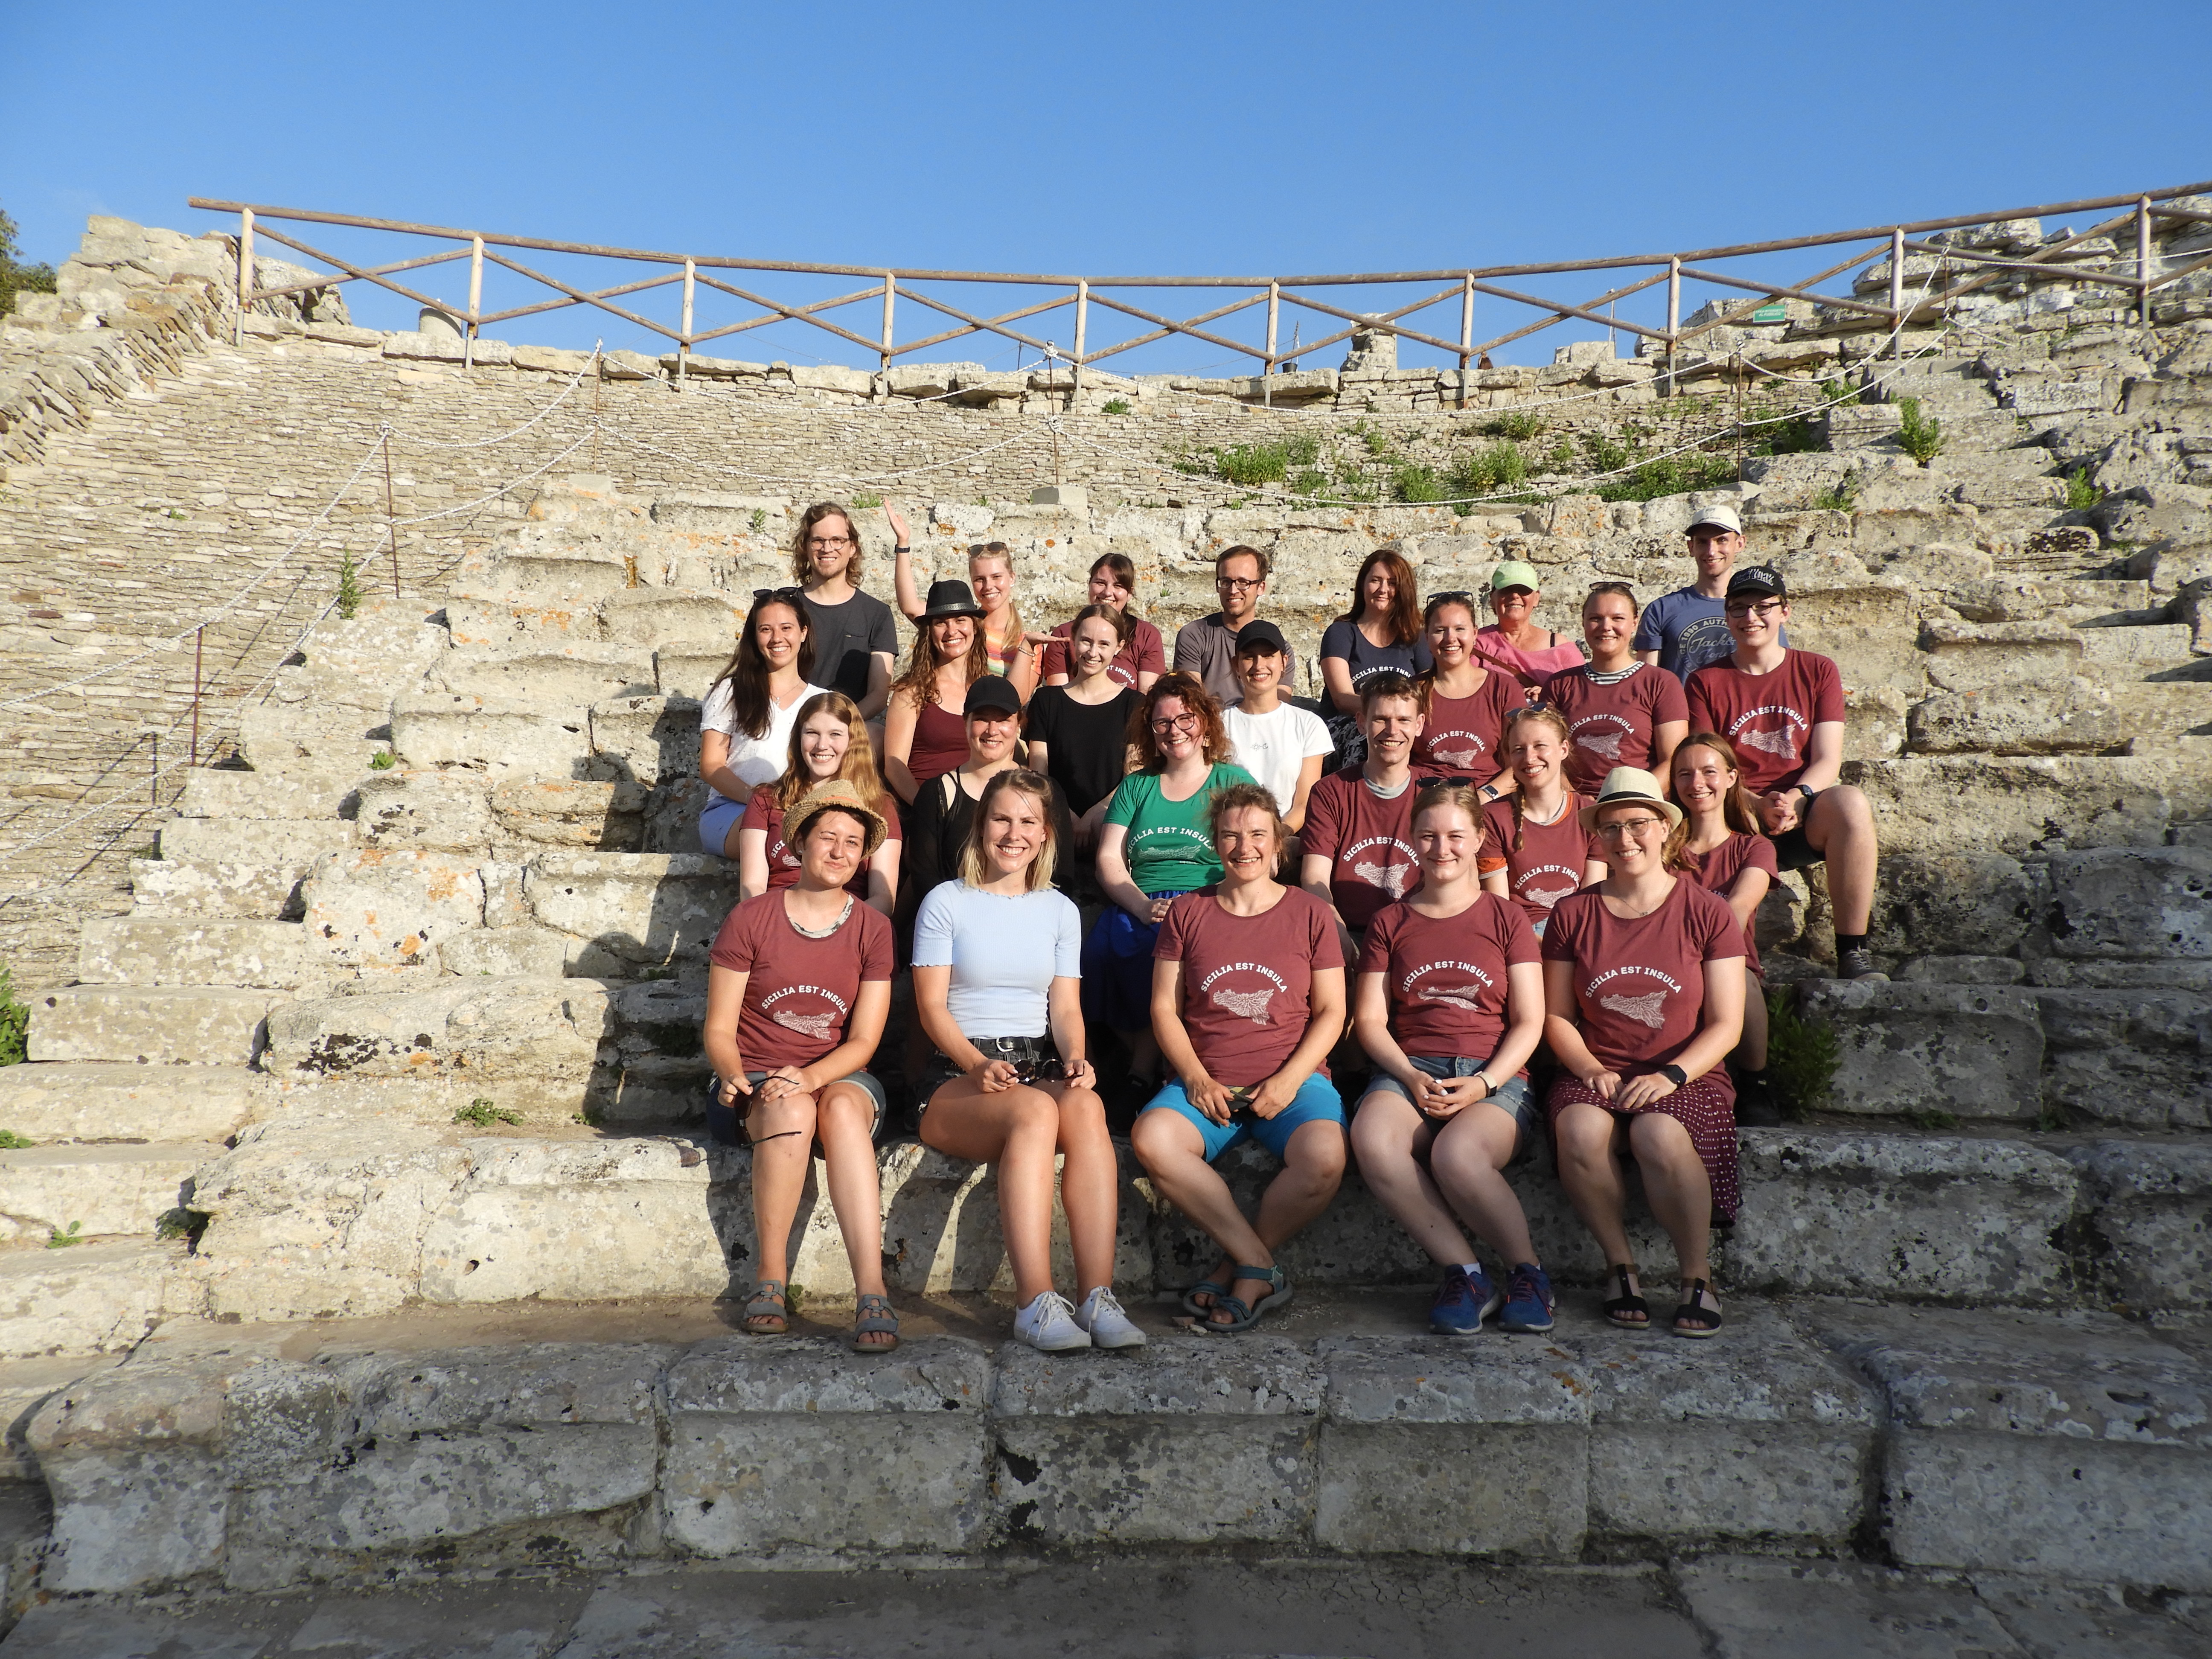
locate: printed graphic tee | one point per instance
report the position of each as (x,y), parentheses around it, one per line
(1459,737)
(1612,718)
(1688,629)
(1446,976)
(1640,984)
(1247,980)
(1769,718)
(1717,871)
(1368,841)
(800,991)
(1171,844)
(1549,863)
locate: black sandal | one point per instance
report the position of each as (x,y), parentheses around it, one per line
(1693,1318)
(1628,1310)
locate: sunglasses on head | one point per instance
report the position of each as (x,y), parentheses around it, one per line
(790,595)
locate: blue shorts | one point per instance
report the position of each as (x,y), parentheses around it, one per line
(1117,970)
(1315,1102)
(715,824)
(1515,1099)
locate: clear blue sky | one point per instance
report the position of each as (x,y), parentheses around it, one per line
(1131,138)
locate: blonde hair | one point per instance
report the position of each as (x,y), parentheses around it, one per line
(1023,782)
(1247,798)
(1004,554)
(1550,717)
(858,768)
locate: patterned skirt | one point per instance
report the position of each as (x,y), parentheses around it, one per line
(1706,1106)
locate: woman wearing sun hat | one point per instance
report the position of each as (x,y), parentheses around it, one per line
(1644,984)
(1514,642)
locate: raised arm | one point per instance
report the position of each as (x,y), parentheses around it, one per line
(904,590)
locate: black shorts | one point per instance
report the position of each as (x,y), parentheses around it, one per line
(939,1070)
(1793,851)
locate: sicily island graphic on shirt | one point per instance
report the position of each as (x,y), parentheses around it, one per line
(814,1022)
(1250,1003)
(1647,1009)
(1468,997)
(1550,894)
(1392,878)
(1780,742)
(1456,748)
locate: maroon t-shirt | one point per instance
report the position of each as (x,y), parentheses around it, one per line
(940,743)
(1142,652)
(1460,736)
(1612,725)
(762,813)
(1447,978)
(1368,841)
(1717,871)
(800,991)
(1549,863)
(1640,985)
(1246,980)
(1769,718)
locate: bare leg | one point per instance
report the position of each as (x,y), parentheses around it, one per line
(1679,1191)
(1751,1047)
(1169,1147)
(1587,1137)
(1089,1185)
(782,1133)
(1468,1162)
(1014,1129)
(1387,1132)
(1841,829)
(1312,1171)
(856,1193)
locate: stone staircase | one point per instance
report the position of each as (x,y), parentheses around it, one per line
(404,1018)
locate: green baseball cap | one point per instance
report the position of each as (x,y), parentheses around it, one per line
(1514,573)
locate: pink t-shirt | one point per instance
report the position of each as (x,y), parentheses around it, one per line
(1548,864)
(765,814)
(1446,977)
(1368,841)
(800,991)
(1460,735)
(1537,665)
(1717,871)
(1769,718)
(1640,984)
(1246,980)
(1613,725)
(1143,653)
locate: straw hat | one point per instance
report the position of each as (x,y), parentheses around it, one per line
(834,794)
(1625,785)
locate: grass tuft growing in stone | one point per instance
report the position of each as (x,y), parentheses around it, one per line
(60,1239)
(1921,436)
(2081,493)
(481,1113)
(187,1224)
(1800,1057)
(382,761)
(12,1142)
(867,498)
(15,1022)
(1839,495)
(348,587)
(1115,406)
(1518,425)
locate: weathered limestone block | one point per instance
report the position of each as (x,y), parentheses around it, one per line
(647,740)
(660,618)
(2144,1229)
(2075,716)
(390,909)
(192,951)
(1967,657)
(505,953)
(427,811)
(190,887)
(2132,902)
(577,674)
(1873,723)
(720,512)
(214,792)
(1956,804)
(86,1102)
(943,1230)
(1956,904)
(631,910)
(101,1298)
(1973,1050)
(1909,1215)
(98,1190)
(1774,1444)
(1190,1440)
(324,738)
(281,843)
(507,735)
(2139,1058)
(765,1452)
(599,816)
(151,1026)
(688,671)
(1431,1447)
(556,575)
(517,1032)
(1991,1414)
(477,623)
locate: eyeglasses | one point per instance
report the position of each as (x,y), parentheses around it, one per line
(787,595)
(1763,608)
(1175,723)
(1621,827)
(828,542)
(1240,583)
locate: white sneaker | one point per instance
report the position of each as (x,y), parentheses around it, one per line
(1049,1323)
(1109,1328)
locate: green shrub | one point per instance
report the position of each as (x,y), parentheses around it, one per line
(14,1023)
(758,522)
(1839,495)
(1920,435)
(1798,435)
(2081,493)
(1560,456)
(867,498)
(1670,475)
(15,277)
(1836,392)
(481,1113)
(187,1224)
(383,761)
(12,1142)
(1516,425)
(1415,481)
(1115,406)
(57,1239)
(1800,1056)
(1604,453)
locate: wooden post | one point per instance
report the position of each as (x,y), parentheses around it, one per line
(1674,321)
(476,300)
(1082,324)
(1465,333)
(391,518)
(684,344)
(2143,261)
(199,646)
(1274,312)
(244,273)
(1897,293)
(153,783)
(890,299)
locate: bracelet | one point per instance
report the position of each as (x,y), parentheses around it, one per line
(902,546)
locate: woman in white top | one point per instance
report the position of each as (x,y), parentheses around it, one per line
(745,726)
(996,986)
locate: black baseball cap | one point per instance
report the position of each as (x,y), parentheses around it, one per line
(1258,635)
(1758,581)
(991,694)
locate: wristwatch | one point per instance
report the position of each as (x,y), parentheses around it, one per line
(1675,1075)
(1488,1087)
(1809,794)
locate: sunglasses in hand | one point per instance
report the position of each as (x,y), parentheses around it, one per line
(1052,1069)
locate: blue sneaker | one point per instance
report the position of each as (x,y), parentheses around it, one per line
(1463,1301)
(1528,1301)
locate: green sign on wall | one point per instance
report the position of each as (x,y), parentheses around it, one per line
(1776,313)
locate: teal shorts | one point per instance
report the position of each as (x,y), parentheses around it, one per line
(1315,1102)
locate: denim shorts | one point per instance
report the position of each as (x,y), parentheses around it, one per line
(726,1128)
(1515,1098)
(1315,1102)
(715,824)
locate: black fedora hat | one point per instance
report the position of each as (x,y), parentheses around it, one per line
(950,598)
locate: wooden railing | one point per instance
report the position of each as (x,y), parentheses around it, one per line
(1963,271)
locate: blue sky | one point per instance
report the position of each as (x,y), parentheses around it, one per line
(1142,138)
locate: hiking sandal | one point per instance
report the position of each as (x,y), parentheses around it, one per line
(1241,1317)
(1199,1309)
(875,1318)
(1693,1318)
(1628,1310)
(767,1314)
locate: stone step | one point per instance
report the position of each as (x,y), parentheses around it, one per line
(288,843)
(150,1026)
(515,736)
(193,951)
(90,1298)
(94,1191)
(572,574)
(702,620)
(320,738)
(90,1101)
(2072,1447)
(575,674)
(211,792)
(480,620)
(1958,804)
(179,887)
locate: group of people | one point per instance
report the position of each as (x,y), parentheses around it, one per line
(1501,883)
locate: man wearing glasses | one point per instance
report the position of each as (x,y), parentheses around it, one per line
(1207,647)
(1684,630)
(854,637)
(1783,712)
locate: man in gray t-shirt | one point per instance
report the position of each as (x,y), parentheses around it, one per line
(1207,647)
(1687,630)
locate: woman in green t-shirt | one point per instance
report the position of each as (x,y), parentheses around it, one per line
(1157,841)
